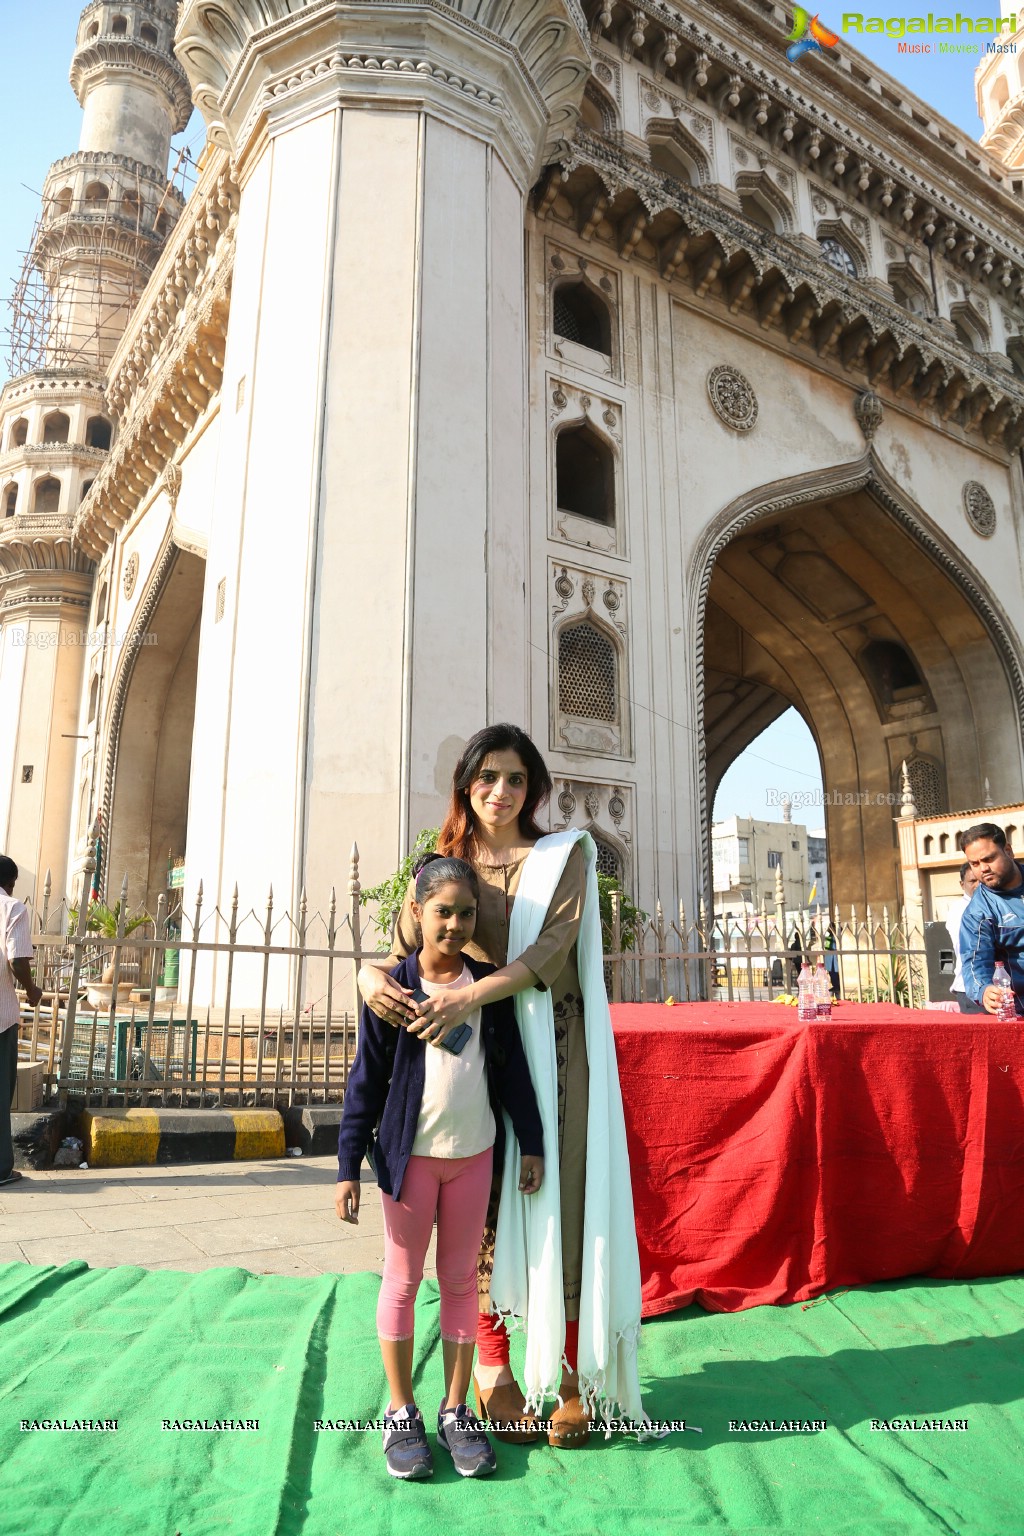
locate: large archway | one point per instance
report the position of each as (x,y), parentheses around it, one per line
(150,751)
(838,598)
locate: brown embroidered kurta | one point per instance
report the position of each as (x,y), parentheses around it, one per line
(552,959)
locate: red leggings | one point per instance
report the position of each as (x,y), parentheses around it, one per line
(492,1342)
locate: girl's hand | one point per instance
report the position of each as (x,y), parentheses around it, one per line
(384,997)
(531,1174)
(346,1200)
(442,1013)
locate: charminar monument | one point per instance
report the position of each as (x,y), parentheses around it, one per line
(587,365)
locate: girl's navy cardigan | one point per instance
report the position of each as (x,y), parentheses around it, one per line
(388,1076)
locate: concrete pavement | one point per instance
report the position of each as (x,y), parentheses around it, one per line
(273,1217)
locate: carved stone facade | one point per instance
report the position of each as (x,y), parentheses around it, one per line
(693,460)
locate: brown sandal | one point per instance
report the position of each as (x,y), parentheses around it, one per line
(570,1426)
(505,1404)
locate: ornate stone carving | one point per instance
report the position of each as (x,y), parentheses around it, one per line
(565,587)
(131,573)
(566,800)
(172,484)
(523,67)
(979,508)
(732,398)
(869,411)
(925,363)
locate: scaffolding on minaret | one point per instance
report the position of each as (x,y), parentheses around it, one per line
(59,281)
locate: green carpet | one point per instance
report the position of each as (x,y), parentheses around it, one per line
(141,1347)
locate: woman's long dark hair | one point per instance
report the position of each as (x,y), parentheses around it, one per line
(458,833)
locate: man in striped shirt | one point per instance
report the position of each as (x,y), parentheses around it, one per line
(993,925)
(15,966)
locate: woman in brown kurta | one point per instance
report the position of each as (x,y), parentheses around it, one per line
(499,783)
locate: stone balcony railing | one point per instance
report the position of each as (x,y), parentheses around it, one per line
(45,454)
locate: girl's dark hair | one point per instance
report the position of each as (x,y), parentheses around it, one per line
(435,870)
(458,833)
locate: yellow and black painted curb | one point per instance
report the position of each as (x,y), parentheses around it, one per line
(124,1138)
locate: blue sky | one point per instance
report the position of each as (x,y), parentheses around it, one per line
(40,121)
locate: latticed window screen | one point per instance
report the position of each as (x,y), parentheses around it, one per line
(926,786)
(586,673)
(566,321)
(607,859)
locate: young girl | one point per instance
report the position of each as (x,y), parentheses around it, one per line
(437,1118)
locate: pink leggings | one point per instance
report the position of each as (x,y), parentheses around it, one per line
(457,1188)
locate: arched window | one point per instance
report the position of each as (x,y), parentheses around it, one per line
(86,488)
(928,846)
(587,673)
(47,495)
(131,206)
(119,26)
(757,211)
(56,427)
(580,316)
(608,861)
(999,95)
(585,474)
(1011,832)
(94,694)
(161,223)
(19,433)
(94,30)
(908,293)
(101,604)
(148,33)
(96,194)
(944,842)
(836,254)
(62,203)
(970,328)
(97,432)
(676,154)
(890,671)
(10,500)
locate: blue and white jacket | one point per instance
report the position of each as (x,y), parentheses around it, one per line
(993,921)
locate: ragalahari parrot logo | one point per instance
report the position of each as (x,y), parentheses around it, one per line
(808,35)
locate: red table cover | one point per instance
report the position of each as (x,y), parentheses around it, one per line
(773,1160)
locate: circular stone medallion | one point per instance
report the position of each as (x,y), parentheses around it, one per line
(131,572)
(733,398)
(980,509)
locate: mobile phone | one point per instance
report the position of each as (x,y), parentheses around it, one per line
(458,1037)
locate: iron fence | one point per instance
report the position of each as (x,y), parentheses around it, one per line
(204,1007)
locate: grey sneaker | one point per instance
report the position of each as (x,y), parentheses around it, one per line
(405,1444)
(463,1438)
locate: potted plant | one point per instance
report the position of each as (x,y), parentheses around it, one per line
(104,920)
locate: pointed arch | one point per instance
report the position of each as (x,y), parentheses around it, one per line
(867,475)
(677,152)
(758,189)
(834,238)
(971,329)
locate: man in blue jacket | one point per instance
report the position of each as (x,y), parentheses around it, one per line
(993,925)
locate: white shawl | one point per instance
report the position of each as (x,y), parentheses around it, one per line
(526,1285)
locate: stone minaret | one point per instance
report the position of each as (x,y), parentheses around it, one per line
(106,212)
(999,87)
(108,208)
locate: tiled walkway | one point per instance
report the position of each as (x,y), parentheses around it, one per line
(274,1217)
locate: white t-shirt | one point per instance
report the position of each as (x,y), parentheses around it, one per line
(953,919)
(455,1113)
(15,944)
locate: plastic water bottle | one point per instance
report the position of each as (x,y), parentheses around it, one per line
(1007,1012)
(822,992)
(807,1001)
